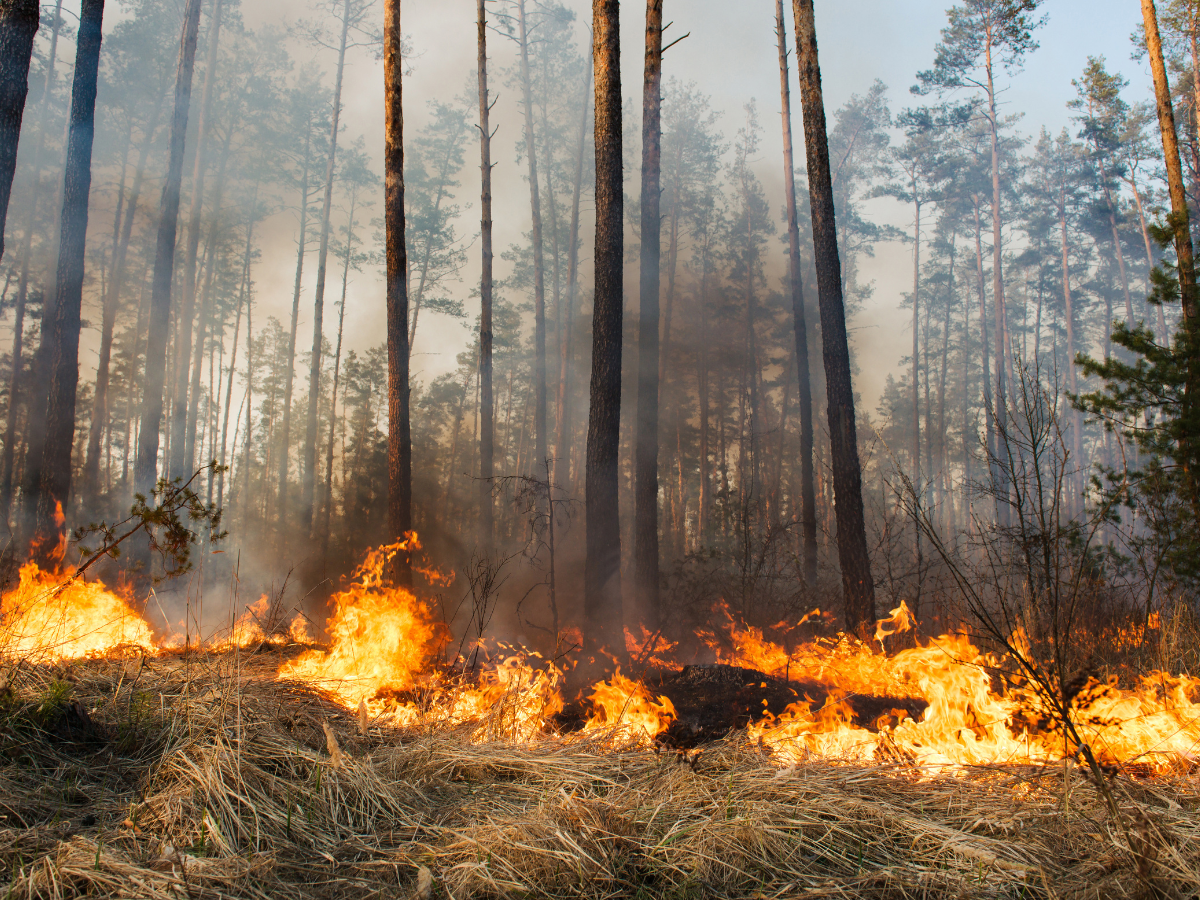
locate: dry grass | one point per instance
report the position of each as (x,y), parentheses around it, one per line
(175,777)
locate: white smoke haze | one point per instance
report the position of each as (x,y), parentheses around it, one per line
(730,55)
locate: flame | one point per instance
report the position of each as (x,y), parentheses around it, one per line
(381,637)
(939,704)
(900,620)
(52,617)
(251,628)
(624,712)
(652,649)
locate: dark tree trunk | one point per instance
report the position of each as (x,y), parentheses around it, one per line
(61,341)
(539,266)
(180,464)
(399,435)
(308,471)
(808,494)
(857,584)
(645,512)
(602,577)
(34,428)
(146,468)
(487,411)
(18,24)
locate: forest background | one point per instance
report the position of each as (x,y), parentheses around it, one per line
(264,163)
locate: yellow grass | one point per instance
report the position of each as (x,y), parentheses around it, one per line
(208,778)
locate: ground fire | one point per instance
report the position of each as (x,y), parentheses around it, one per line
(384,660)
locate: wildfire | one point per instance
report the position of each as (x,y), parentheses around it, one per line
(53,618)
(624,712)
(261,623)
(938,704)
(380,637)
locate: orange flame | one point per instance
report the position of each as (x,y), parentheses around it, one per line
(380,636)
(900,620)
(53,618)
(384,644)
(625,713)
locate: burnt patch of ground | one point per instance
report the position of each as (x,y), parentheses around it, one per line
(713,701)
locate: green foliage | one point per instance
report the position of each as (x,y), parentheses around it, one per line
(174,518)
(1143,400)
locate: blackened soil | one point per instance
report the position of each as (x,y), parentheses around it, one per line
(712,700)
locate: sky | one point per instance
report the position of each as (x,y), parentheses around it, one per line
(730,53)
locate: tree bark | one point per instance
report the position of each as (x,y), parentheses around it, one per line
(562,455)
(539,266)
(399,434)
(1072,373)
(487,405)
(602,577)
(244,300)
(146,467)
(8,462)
(1183,252)
(645,513)
(62,340)
(19,21)
(808,496)
(1003,360)
(204,319)
(857,585)
(99,423)
(327,506)
(290,373)
(112,299)
(180,465)
(309,467)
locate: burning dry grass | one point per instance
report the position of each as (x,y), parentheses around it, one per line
(202,775)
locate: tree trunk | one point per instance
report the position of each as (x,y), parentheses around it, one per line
(19,21)
(645,513)
(399,434)
(1072,374)
(179,465)
(539,273)
(988,406)
(487,412)
(205,312)
(91,468)
(602,577)
(327,506)
(857,584)
(290,373)
(146,468)
(309,463)
(244,299)
(1002,464)
(705,502)
(1163,337)
(99,423)
(562,455)
(62,340)
(808,502)
(1183,251)
(8,462)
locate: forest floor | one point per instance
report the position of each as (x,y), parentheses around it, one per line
(195,776)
